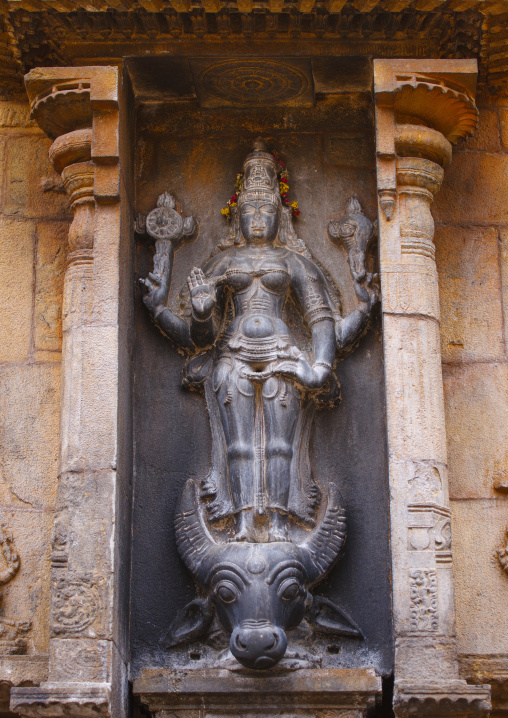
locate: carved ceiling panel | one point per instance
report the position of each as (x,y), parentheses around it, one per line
(249,81)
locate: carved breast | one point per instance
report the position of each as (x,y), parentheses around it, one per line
(275,279)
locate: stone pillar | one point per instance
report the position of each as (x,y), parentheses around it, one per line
(421,108)
(79,109)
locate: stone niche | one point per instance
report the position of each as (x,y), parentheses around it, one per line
(195,123)
(380,133)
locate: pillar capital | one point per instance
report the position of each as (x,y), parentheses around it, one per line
(77,107)
(435,93)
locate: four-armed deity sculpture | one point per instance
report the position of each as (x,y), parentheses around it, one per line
(263,331)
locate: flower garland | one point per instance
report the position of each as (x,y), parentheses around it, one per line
(283,177)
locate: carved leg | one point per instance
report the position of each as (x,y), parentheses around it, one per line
(238,413)
(280,418)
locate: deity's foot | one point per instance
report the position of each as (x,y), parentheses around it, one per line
(244,525)
(279,529)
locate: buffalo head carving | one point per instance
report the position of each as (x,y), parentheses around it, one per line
(257,590)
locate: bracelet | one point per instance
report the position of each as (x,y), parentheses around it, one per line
(158,311)
(323,363)
(201,321)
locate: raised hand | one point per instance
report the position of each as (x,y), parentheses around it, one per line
(156,285)
(202,293)
(363,281)
(156,291)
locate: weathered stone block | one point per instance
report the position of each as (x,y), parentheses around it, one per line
(51,251)
(481,594)
(89,425)
(470,293)
(29,431)
(16,279)
(475,189)
(476,405)
(486,135)
(86,504)
(33,188)
(417,423)
(16,114)
(80,659)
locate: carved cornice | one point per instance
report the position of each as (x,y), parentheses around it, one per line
(86,700)
(447,698)
(245,6)
(62,38)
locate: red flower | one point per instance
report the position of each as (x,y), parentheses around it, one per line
(234,198)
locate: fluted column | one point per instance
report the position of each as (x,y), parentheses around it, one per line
(79,109)
(421,108)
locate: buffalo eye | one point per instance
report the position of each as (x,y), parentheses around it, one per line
(290,590)
(226,593)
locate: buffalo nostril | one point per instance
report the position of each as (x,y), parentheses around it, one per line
(240,644)
(271,642)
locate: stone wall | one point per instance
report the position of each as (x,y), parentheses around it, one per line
(33,231)
(471,239)
(471,212)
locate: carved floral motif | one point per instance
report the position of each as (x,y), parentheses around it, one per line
(423,597)
(76,604)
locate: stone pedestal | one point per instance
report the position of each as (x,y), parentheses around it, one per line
(317,693)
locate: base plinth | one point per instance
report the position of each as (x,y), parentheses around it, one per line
(304,693)
(441,699)
(58,700)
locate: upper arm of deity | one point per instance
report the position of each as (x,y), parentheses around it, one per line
(311,289)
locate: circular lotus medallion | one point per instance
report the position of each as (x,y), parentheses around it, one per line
(245,81)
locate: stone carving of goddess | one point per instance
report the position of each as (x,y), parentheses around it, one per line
(262,380)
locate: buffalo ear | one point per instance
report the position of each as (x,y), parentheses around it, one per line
(325,615)
(191,622)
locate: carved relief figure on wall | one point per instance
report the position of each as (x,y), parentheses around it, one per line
(263,331)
